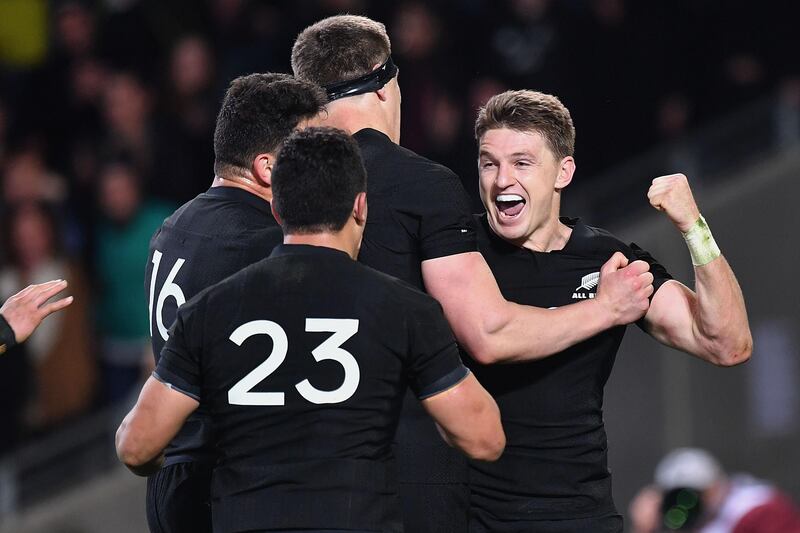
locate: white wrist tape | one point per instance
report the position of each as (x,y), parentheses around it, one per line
(702,246)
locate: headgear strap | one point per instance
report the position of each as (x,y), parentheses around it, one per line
(367,83)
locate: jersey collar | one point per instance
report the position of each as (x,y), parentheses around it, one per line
(306,249)
(578,241)
(235,194)
(367,135)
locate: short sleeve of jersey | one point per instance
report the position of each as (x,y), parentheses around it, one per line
(435,364)
(179,364)
(660,274)
(446,224)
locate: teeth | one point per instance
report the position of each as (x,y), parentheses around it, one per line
(508,198)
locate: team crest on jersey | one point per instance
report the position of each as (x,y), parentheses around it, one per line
(585,290)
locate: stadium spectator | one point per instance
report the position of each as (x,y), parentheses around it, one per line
(20,314)
(60,350)
(122,237)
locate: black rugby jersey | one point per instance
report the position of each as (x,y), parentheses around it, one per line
(206,240)
(418,210)
(555,462)
(302,361)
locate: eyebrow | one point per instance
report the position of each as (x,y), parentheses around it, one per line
(528,155)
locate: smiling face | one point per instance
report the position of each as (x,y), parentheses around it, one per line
(520,180)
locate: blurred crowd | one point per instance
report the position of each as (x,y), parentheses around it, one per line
(107,111)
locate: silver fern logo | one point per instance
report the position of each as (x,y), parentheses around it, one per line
(588,283)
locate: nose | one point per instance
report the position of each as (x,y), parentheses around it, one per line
(504,176)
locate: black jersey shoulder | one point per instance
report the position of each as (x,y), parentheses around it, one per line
(410,182)
(395,166)
(602,244)
(222,213)
(592,241)
(419,210)
(288,263)
(204,241)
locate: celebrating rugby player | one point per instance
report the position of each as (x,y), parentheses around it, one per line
(553,476)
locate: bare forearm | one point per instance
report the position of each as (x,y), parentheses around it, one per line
(720,316)
(468,418)
(711,322)
(517,333)
(137,453)
(152,423)
(494,330)
(149,468)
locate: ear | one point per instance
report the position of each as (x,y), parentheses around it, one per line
(565,172)
(275,214)
(262,169)
(360,208)
(382,91)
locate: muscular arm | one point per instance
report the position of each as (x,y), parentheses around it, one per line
(494,330)
(710,323)
(152,423)
(469,419)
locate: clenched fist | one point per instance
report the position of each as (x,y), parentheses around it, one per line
(625,289)
(672,195)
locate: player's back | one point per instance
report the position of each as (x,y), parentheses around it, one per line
(418,210)
(305,358)
(206,240)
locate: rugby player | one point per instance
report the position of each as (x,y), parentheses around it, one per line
(302,361)
(421,230)
(22,313)
(553,476)
(216,234)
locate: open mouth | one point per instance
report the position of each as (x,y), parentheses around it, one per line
(509,205)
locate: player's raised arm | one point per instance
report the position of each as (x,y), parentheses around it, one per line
(711,321)
(153,422)
(494,330)
(469,419)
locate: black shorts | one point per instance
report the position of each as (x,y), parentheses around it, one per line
(178,499)
(480,523)
(429,508)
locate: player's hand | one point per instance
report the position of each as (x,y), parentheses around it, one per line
(25,310)
(672,195)
(624,289)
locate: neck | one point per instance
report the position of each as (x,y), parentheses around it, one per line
(355,116)
(337,241)
(552,235)
(246,183)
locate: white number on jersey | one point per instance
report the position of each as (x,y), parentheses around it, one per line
(242,394)
(170,288)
